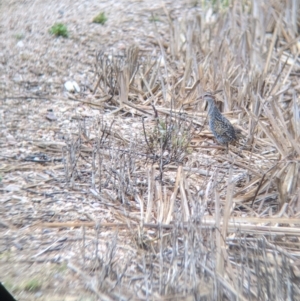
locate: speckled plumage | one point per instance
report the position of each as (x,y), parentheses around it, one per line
(219,125)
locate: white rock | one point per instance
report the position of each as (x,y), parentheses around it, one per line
(69,86)
(76,87)
(20,44)
(72,86)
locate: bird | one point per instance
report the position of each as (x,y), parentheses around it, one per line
(219,125)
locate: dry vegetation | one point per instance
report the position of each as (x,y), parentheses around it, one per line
(124,187)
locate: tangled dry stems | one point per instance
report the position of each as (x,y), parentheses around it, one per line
(257,180)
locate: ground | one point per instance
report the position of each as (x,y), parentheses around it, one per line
(88,210)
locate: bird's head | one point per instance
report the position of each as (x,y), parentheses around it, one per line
(208,96)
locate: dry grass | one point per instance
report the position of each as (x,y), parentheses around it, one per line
(176,217)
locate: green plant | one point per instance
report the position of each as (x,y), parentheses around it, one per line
(32,285)
(12,285)
(63,267)
(221,4)
(8,284)
(19,36)
(6,255)
(154,18)
(59,29)
(100,18)
(168,142)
